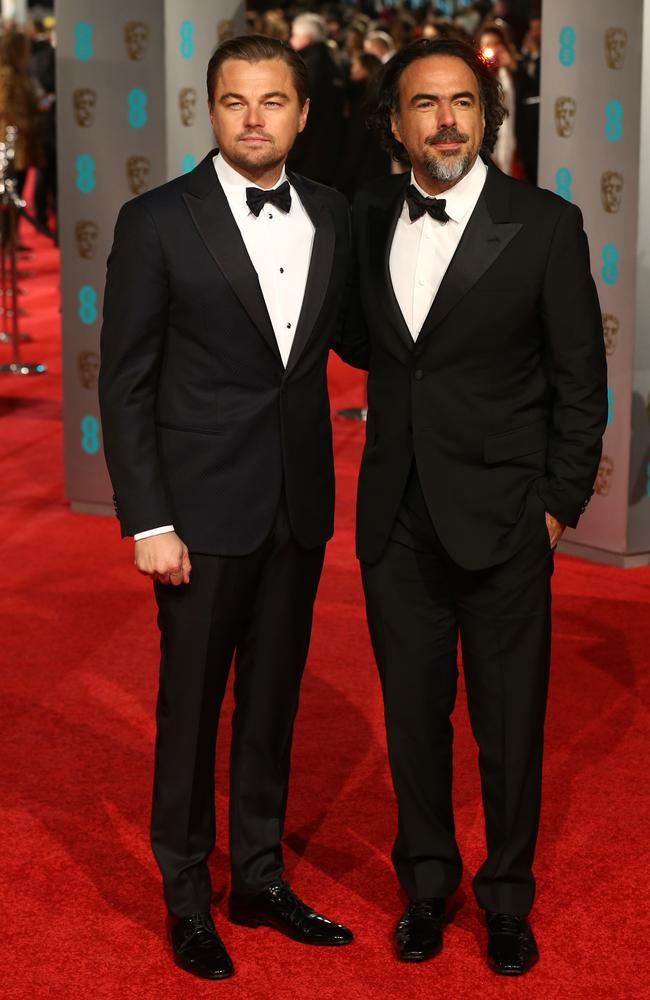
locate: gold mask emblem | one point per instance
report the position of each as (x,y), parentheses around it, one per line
(610,332)
(187,98)
(88,367)
(565,116)
(138,169)
(603,482)
(84,101)
(615,46)
(136,35)
(86,233)
(611,190)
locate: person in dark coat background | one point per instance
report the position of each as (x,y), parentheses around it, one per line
(317,149)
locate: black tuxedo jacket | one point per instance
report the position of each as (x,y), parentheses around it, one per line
(502,399)
(202,424)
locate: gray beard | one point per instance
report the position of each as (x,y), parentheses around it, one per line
(446,170)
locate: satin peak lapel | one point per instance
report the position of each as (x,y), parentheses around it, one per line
(382,222)
(481,244)
(208,206)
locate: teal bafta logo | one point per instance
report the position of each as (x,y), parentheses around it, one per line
(186,32)
(85,173)
(87,298)
(187,163)
(90,434)
(567,52)
(563,182)
(137,102)
(83,41)
(609,269)
(614,120)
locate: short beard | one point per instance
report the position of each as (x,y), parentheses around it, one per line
(256,164)
(451,168)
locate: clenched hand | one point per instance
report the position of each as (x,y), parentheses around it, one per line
(164,558)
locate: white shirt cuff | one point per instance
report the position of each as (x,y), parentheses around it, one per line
(153,531)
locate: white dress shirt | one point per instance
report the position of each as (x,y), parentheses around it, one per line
(279,245)
(421,251)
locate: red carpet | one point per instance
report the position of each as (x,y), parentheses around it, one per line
(81,903)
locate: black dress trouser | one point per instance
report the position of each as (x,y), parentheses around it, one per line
(257,608)
(418,603)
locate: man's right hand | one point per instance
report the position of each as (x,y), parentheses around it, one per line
(164,558)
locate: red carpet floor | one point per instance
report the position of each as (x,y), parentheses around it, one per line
(82,913)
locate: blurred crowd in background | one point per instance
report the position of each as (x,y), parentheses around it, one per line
(344,46)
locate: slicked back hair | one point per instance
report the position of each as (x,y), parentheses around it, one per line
(489,88)
(258,48)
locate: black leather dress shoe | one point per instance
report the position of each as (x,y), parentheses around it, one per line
(418,935)
(280,908)
(198,948)
(512,949)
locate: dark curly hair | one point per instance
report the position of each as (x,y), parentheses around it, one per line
(387,104)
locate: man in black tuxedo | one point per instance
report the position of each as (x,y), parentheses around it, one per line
(222,293)
(486,408)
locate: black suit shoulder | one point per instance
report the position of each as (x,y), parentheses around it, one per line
(527,201)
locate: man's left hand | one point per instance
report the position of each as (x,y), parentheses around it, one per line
(555,529)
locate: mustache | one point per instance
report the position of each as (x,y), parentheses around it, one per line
(257,132)
(446,135)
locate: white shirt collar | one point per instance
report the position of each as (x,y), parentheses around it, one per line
(462,197)
(234,183)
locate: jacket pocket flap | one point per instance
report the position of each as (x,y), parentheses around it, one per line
(515,443)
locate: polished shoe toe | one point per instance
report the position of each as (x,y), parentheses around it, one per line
(512,949)
(418,935)
(198,949)
(280,908)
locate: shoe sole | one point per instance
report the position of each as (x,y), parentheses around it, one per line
(200,975)
(510,972)
(253,922)
(416,959)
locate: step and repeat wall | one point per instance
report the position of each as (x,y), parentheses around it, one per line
(594,122)
(131,114)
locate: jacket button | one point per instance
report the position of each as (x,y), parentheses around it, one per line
(418,374)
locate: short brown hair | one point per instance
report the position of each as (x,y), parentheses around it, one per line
(256,48)
(490,92)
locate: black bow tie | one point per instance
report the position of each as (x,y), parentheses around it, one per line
(418,204)
(256,198)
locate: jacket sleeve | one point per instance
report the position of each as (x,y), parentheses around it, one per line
(351,340)
(577,371)
(132,348)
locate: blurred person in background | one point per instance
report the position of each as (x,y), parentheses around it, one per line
(317,149)
(498,51)
(527,123)
(379,44)
(19,100)
(42,67)
(363,158)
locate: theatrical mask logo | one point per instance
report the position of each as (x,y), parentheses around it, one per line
(565,116)
(615,45)
(610,332)
(86,233)
(138,169)
(603,482)
(84,101)
(136,35)
(187,98)
(225,30)
(611,190)
(88,366)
